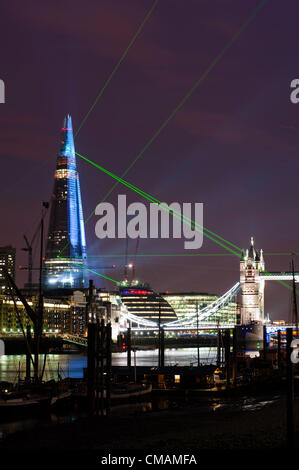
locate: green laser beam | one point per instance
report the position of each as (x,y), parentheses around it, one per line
(94,272)
(190,255)
(160,203)
(187,96)
(113,73)
(174,213)
(149,255)
(117,66)
(180,216)
(182,102)
(119,283)
(284,284)
(63,249)
(109,80)
(154,200)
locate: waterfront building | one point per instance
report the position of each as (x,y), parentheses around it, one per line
(279,322)
(66,246)
(186,304)
(63,315)
(8,262)
(113,311)
(66,312)
(143,302)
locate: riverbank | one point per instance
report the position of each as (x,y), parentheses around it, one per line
(257,424)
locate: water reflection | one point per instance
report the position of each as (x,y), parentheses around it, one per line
(71,365)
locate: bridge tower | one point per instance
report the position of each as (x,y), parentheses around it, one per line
(252,286)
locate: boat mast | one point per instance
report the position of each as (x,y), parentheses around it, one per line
(40,306)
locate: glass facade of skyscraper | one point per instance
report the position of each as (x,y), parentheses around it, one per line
(66,245)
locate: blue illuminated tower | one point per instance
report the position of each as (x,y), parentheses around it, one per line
(66,245)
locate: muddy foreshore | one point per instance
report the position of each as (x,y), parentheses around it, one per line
(257,425)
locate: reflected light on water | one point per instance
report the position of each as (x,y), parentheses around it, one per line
(12,367)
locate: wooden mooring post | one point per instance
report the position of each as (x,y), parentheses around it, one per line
(290,392)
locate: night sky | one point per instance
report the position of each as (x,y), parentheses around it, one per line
(233,145)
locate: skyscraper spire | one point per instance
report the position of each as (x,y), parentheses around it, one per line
(66,245)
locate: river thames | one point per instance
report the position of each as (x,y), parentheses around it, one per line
(12,367)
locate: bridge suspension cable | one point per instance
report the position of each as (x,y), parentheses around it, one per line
(209,311)
(204,314)
(139,320)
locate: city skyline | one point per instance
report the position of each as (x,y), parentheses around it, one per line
(233,146)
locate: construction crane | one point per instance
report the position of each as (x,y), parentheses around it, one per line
(131,265)
(134,260)
(28,248)
(113,266)
(126,263)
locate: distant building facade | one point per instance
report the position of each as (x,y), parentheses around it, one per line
(65,315)
(142,301)
(8,262)
(68,313)
(187,304)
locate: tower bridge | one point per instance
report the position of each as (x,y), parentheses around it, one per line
(277,276)
(65,261)
(250,289)
(252,278)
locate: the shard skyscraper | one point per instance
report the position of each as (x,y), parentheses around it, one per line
(66,245)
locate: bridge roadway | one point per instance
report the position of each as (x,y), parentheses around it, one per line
(82,341)
(278,276)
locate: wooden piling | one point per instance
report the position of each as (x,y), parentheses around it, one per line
(91,366)
(218,348)
(279,349)
(227,356)
(28,354)
(290,392)
(108,367)
(129,347)
(235,346)
(162,349)
(265,345)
